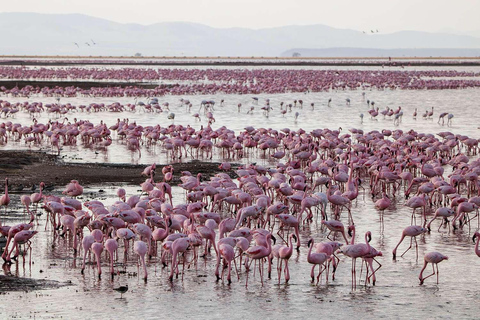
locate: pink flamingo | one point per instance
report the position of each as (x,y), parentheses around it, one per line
(442,212)
(97,249)
(259,252)
(37,197)
(476,235)
(179,245)
(141,249)
(434,258)
(329,248)
(417,202)
(23,237)
(5,199)
(282,252)
(12,231)
(382,204)
(111,245)
(317,258)
(227,252)
(412,232)
(335,226)
(26,202)
(73,189)
(87,243)
(355,251)
(121,194)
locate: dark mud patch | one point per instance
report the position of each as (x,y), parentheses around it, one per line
(9,283)
(27,168)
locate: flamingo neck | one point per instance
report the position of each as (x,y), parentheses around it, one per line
(476,246)
(366,241)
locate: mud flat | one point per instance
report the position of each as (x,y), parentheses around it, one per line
(27,168)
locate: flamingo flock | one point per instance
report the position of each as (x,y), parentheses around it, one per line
(271,204)
(228,81)
(266,215)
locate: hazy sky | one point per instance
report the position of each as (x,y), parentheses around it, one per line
(384,15)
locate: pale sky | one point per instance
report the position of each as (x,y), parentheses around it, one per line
(385,15)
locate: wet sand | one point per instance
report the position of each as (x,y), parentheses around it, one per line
(12,283)
(27,168)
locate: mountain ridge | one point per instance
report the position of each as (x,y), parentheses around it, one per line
(84,35)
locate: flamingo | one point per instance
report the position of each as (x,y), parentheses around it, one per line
(87,242)
(179,245)
(434,258)
(317,258)
(111,245)
(97,248)
(355,251)
(412,232)
(5,199)
(227,252)
(141,249)
(476,236)
(259,252)
(35,198)
(282,252)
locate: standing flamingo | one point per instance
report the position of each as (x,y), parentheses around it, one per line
(355,251)
(87,243)
(35,198)
(259,252)
(413,232)
(141,249)
(227,252)
(317,258)
(97,249)
(5,199)
(282,252)
(434,258)
(111,245)
(179,245)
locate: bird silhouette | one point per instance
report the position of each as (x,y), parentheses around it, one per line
(88,44)
(122,290)
(76,44)
(93,42)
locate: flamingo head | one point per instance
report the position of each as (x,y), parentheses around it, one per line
(369,236)
(476,234)
(351,229)
(309,243)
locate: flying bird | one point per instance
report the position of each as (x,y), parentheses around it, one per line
(88,44)
(93,42)
(76,44)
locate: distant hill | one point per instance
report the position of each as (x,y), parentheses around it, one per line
(56,34)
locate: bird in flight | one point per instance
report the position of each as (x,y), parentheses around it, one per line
(76,44)
(88,44)
(93,42)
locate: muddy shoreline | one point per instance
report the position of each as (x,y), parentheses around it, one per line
(27,168)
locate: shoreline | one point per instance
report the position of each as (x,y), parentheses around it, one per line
(27,168)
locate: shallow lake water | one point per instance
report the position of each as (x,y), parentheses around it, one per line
(397,293)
